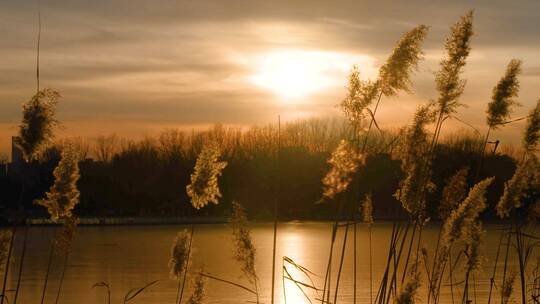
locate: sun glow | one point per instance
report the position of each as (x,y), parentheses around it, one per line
(295,74)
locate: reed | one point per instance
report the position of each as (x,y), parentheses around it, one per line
(244,250)
(179,261)
(197,296)
(61,198)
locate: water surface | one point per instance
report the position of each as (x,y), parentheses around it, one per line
(127,257)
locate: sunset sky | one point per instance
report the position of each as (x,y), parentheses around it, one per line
(135,67)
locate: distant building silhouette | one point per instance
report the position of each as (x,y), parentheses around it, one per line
(16,152)
(3,170)
(17,159)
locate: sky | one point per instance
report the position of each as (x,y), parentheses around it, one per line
(135,68)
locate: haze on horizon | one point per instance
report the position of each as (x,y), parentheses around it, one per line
(137,67)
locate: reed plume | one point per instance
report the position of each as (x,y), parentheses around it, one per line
(64,238)
(526,174)
(204,188)
(180,253)
(198,286)
(500,107)
(63,195)
(413,155)
(344,161)
(532,132)
(516,188)
(408,292)
(245,251)
(461,221)
(5,242)
(38,122)
(449,84)
(367,209)
(395,74)
(507,288)
(460,224)
(474,238)
(453,193)
(360,95)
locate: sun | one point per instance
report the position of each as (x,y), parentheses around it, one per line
(294,74)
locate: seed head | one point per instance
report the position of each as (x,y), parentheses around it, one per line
(204,188)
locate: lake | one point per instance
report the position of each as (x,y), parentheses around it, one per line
(126,257)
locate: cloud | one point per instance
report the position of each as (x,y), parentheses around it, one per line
(174,61)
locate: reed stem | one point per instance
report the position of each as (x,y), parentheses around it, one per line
(8,262)
(49,263)
(60,285)
(187,266)
(21,264)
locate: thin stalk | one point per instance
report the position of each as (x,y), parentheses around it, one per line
(436,297)
(64,268)
(451,276)
(186,268)
(328,268)
(506,260)
(178,287)
(480,162)
(49,263)
(207,275)
(354,261)
(276,202)
(521,259)
(474,287)
(21,264)
(38,45)
(492,279)
(397,259)
(430,289)
(283,282)
(465,299)
(381,294)
(341,262)
(8,260)
(364,145)
(411,244)
(370,269)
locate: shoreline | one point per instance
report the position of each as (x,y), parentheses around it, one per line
(142,221)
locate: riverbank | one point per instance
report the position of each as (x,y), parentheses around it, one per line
(112,221)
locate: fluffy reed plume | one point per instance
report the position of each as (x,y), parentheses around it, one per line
(500,107)
(179,255)
(461,224)
(535,209)
(413,155)
(408,292)
(36,128)
(204,188)
(64,238)
(244,250)
(532,132)
(63,194)
(395,74)
(5,240)
(526,175)
(453,193)
(507,288)
(461,221)
(198,285)
(447,79)
(367,209)
(344,161)
(516,188)
(360,95)
(474,238)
